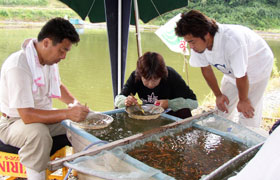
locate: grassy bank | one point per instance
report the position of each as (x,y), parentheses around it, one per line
(34,10)
(30,14)
(259,14)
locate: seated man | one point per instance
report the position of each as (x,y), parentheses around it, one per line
(29,81)
(155,83)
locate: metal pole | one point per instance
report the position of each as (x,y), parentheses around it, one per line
(138,37)
(119,44)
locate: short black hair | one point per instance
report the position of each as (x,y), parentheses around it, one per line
(195,23)
(58,29)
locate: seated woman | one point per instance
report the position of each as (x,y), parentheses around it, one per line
(155,83)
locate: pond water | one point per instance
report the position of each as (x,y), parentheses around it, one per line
(86,70)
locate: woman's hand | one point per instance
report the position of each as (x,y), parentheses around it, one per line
(130,101)
(163,103)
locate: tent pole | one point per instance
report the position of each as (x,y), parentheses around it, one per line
(119,44)
(138,38)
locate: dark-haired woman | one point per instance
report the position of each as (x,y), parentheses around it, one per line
(156,83)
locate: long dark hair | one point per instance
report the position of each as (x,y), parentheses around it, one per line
(151,65)
(196,24)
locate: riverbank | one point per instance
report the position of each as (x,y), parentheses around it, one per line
(12,24)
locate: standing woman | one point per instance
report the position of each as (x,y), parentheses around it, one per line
(156,83)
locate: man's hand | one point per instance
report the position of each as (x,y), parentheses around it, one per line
(246,108)
(163,103)
(244,105)
(130,100)
(221,102)
(77,112)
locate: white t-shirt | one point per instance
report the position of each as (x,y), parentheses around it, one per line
(237,50)
(16,86)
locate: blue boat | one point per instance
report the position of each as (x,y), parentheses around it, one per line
(76,21)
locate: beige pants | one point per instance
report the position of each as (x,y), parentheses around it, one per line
(34,140)
(255,95)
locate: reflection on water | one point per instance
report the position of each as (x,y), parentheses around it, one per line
(86,69)
(124,126)
(189,154)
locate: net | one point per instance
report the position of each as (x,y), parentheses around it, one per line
(150,112)
(95,121)
(111,165)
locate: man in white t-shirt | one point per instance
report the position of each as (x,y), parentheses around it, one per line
(239,53)
(29,81)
